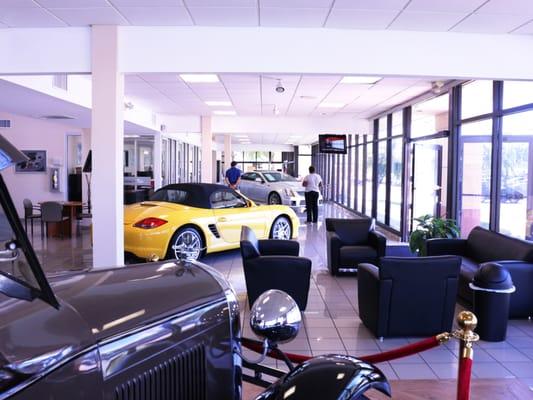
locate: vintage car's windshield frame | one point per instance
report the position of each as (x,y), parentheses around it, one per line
(10,285)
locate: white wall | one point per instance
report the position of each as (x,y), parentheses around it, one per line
(34,134)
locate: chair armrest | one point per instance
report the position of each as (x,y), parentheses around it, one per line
(522,276)
(333,244)
(442,247)
(373,297)
(276,247)
(378,241)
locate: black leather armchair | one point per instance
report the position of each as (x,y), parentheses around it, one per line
(274,264)
(408,296)
(351,242)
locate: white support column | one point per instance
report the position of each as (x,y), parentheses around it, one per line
(228,152)
(107,144)
(85,147)
(207,150)
(157,161)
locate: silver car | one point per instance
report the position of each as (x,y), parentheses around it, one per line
(274,187)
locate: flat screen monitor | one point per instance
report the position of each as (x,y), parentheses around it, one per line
(88,166)
(332,144)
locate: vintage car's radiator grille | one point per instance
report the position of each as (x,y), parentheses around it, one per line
(181,378)
(214,230)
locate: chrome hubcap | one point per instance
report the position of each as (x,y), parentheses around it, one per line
(187,246)
(282,229)
(274,199)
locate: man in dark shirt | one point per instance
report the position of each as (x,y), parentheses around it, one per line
(233,176)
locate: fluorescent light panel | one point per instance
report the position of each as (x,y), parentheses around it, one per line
(224,112)
(331,104)
(364,80)
(199,78)
(216,103)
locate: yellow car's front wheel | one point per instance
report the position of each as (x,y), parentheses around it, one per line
(281,229)
(186,244)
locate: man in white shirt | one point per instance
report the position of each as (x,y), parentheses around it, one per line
(312,184)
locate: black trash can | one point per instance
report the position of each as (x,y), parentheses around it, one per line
(492,286)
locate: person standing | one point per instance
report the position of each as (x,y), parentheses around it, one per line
(233,176)
(312,184)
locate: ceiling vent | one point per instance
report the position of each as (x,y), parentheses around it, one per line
(56,117)
(5,123)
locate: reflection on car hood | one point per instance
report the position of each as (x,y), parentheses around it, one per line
(96,305)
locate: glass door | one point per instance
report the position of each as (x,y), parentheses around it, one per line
(426,179)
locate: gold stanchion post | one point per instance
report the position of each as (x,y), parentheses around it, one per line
(467,322)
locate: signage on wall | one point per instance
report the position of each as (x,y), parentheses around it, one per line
(335,144)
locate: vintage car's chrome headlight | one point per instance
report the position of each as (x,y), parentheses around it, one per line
(289,192)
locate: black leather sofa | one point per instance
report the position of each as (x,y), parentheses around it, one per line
(274,264)
(351,242)
(483,246)
(408,296)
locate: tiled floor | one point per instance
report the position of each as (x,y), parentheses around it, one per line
(331,323)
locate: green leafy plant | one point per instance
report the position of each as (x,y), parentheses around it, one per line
(429,227)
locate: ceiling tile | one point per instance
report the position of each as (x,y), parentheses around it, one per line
(2,25)
(446,6)
(221,3)
(28,17)
(392,5)
(90,16)
(147,3)
(491,23)
(526,29)
(18,3)
(224,16)
(360,19)
(518,7)
(297,3)
(294,17)
(73,3)
(425,21)
(172,78)
(159,16)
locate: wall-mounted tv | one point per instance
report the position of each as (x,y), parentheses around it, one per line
(332,144)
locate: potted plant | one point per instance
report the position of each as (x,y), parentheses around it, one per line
(429,227)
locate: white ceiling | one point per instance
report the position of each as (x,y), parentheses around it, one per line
(255,95)
(484,16)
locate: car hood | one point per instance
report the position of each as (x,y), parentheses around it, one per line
(96,305)
(296,186)
(136,212)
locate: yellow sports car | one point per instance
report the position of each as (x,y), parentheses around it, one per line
(192,219)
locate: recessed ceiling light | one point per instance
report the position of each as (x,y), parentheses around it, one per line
(225,112)
(199,78)
(241,136)
(215,103)
(308,97)
(331,104)
(365,80)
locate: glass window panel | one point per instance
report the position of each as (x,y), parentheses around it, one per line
(382,127)
(520,124)
(263,156)
(517,93)
(345,180)
(475,196)
(237,156)
(304,149)
(430,116)
(382,180)
(359,202)
(353,178)
(516,191)
(397,123)
(276,156)
(476,99)
(478,128)
(396,184)
(368,181)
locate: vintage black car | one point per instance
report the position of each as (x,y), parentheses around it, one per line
(152,331)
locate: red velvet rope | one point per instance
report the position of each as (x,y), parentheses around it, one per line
(400,352)
(463,381)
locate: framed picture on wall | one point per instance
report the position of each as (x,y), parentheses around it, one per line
(36,161)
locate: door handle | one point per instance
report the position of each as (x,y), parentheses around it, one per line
(222,219)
